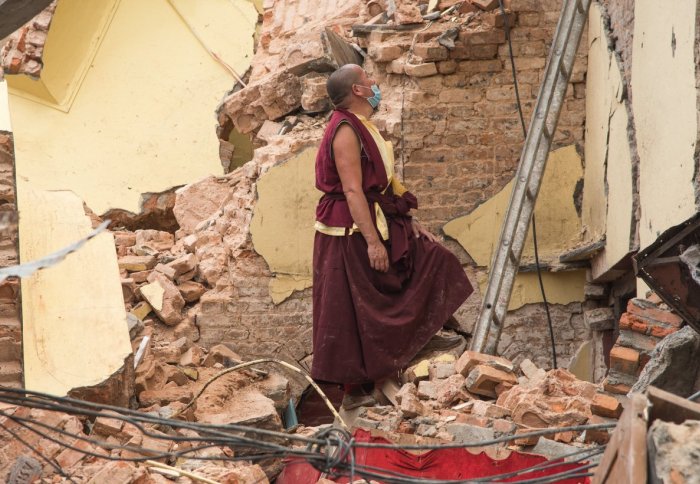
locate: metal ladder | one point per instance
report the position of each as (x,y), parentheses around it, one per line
(528,178)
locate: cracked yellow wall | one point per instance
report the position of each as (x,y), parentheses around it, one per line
(142,117)
(74,330)
(664,98)
(558,230)
(5,124)
(282,227)
(607,193)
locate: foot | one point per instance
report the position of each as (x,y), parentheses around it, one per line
(354,401)
(444,340)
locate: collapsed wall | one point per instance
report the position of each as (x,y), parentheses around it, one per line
(449,109)
(10,330)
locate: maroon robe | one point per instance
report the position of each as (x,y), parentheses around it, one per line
(367,324)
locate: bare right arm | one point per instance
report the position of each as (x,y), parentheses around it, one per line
(346,151)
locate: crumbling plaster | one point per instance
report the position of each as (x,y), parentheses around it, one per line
(665,111)
(74,323)
(139,121)
(608,210)
(559,229)
(282,227)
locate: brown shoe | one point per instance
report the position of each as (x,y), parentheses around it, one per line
(354,401)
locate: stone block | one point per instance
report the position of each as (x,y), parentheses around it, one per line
(482,380)
(427,390)
(192,357)
(450,390)
(439,370)
(167,271)
(407,13)
(673,364)
(126,239)
(471,359)
(221,354)
(486,409)
(107,426)
(624,360)
(164,298)
(466,433)
(599,319)
(595,291)
(425,69)
(417,372)
(430,52)
(164,396)
(407,389)
(616,387)
(645,344)
(411,406)
(385,53)
(191,291)
(315,96)
(606,406)
(135,263)
(551,449)
(141,310)
(182,265)
(154,239)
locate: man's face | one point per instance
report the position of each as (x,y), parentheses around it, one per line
(362,87)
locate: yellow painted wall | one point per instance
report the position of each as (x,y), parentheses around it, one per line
(282,227)
(558,224)
(561,287)
(75,34)
(74,329)
(607,194)
(558,230)
(664,97)
(5,124)
(142,119)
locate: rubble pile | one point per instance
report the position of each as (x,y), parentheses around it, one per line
(645,323)
(480,397)
(18,464)
(24,49)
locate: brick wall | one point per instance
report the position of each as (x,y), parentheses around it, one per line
(10,333)
(452,118)
(460,132)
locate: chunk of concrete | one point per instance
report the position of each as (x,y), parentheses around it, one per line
(165,299)
(673,364)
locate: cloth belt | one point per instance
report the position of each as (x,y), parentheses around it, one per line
(395,210)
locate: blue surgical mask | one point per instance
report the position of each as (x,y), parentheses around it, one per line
(374,100)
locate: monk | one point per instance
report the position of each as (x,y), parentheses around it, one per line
(382,284)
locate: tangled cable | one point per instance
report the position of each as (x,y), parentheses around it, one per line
(331,450)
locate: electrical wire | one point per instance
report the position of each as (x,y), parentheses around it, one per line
(331,450)
(534,224)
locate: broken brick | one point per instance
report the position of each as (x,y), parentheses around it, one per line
(624,360)
(482,380)
(192,357)
(136,263)
(221,354)
(425,69)
(606,406)
(470,359)
(107,426)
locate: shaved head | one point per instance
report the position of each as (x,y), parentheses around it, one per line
(341,81)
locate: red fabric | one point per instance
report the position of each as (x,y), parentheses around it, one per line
(435,464)
(368,324)
(333,210)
